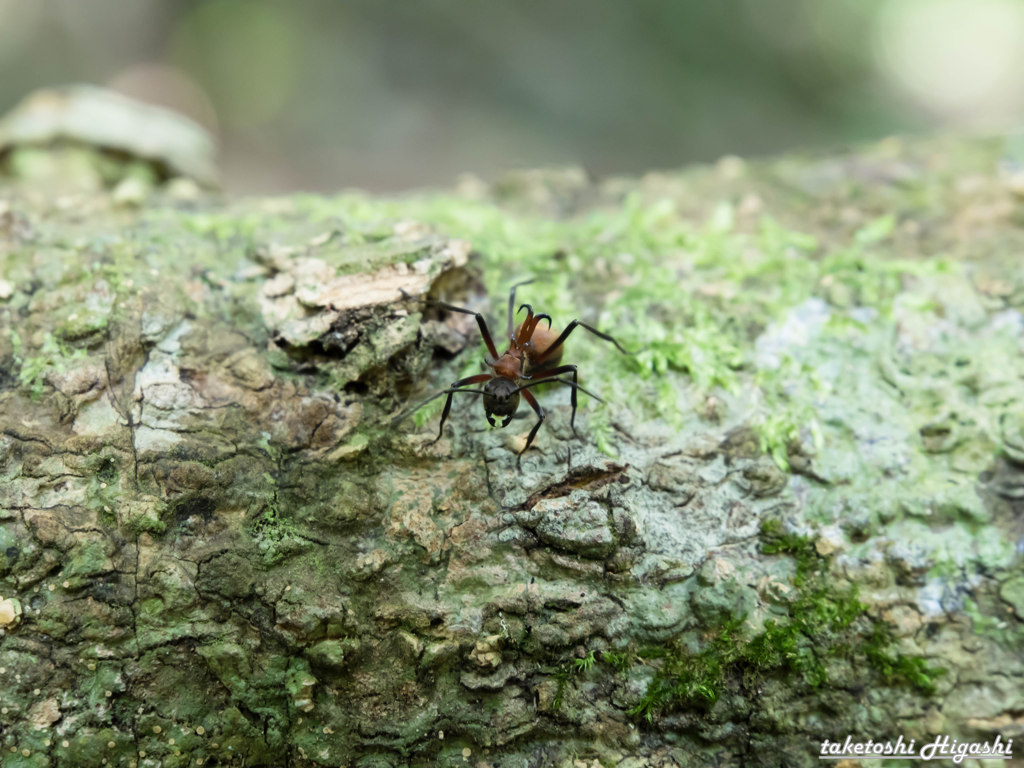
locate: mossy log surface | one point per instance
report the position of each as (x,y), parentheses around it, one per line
(797,515)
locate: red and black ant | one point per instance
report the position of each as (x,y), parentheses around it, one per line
(532,358)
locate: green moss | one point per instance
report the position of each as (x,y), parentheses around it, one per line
(603,434)
(690,297)
(562,676)
(621,661)
(1008,634)
(787,410)
(585,663)
(818,624)
(52,356)
(276,533)
(100,684)
(146,521)
(776,540)
(566,671)
(85,561)
(896,668)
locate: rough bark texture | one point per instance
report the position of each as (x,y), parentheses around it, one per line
(797,516)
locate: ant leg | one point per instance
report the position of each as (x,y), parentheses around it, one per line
(555,373)
(479,378)
(565,334)
(545,376)
(533,432)
(512,303)
(484,331)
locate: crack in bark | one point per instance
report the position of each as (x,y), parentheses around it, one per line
(581,478)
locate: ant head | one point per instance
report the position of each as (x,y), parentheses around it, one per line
(501,398)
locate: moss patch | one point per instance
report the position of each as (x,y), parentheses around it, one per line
(814,627)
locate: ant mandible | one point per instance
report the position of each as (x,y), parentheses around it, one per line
(532,358)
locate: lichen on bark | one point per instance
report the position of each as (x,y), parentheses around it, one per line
(795,516)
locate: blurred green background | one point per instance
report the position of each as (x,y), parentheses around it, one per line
(319,95)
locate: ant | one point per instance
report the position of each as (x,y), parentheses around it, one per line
(532,358)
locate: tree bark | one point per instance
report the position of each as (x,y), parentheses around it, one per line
(795,517)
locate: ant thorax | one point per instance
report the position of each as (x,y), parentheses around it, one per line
(509,365)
